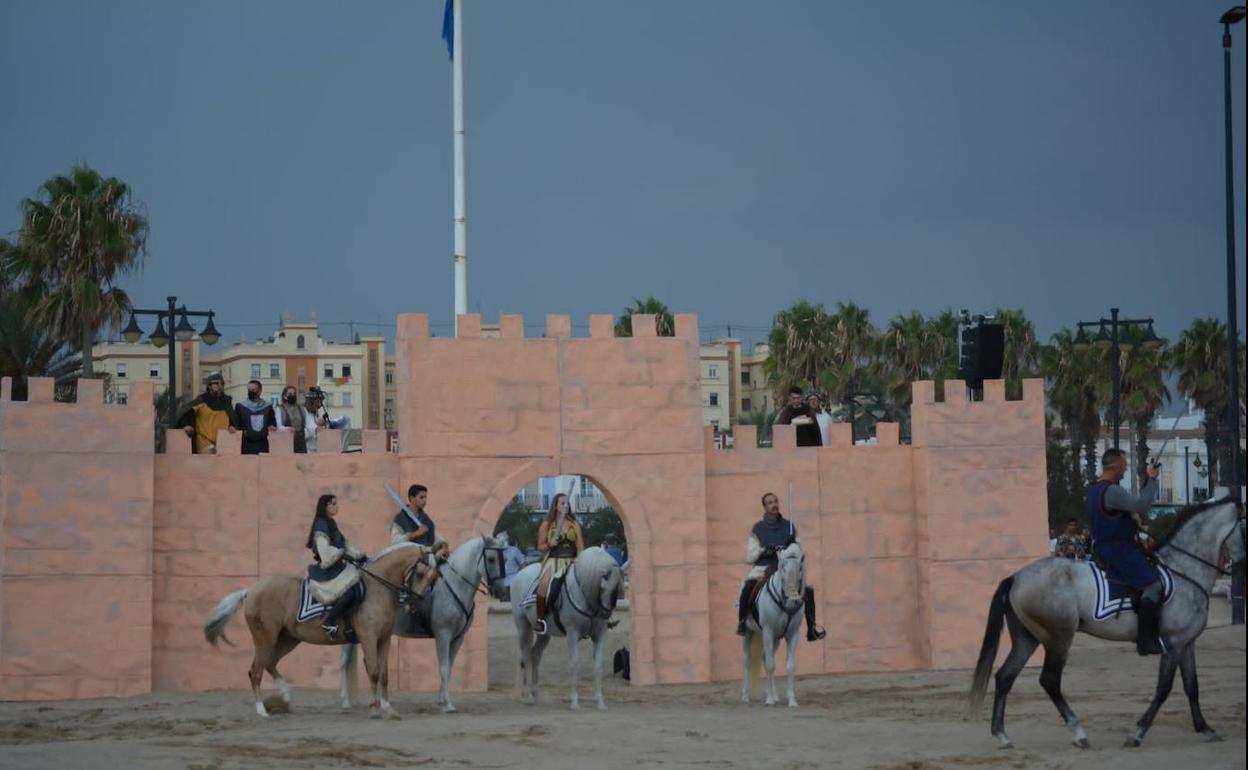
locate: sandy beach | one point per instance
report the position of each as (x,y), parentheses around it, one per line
(907,721)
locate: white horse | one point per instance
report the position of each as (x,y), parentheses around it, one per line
(780,605)
(477,562)
(586,599)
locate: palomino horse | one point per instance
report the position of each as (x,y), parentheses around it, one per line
(477,562)
(271,608)
(1047,601)
(780,605)
(586,599)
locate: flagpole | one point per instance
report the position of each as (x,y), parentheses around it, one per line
(461,197)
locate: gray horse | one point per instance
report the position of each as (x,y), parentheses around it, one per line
(780,605)
(588,594)
(1047,601)
(475,563)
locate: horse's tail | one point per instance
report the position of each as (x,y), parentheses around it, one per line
(214,629)
(992,639)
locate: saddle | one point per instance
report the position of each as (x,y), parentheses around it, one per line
(757,590)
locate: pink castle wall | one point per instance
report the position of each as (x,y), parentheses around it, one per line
(111,557)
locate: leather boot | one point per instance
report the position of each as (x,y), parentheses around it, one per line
(539,627)
(338,610)
(813,632)
(743,606)
(1148,636)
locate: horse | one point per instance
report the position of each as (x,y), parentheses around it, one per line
(478,561)
(587,597)
(780,603)
(1048,601)
(271,608)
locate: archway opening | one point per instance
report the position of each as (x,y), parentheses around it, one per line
(601,525)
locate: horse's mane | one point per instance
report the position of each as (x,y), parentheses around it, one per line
(1191,512)
(593,563)
(392,548)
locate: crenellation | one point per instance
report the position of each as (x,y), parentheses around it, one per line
(6,388)
(40,390)
(511,326)
(468,326)
(558,326)
(412,326)
(994,391)
(90,392)
(687,326)
(645,325)
(887,434)
(601,326)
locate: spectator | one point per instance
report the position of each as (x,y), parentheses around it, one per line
(610,545)
(1071,544)
(821,417)
(256,419)
(798,414)
(513,559)
(211,412)
(291,416)
(315,403)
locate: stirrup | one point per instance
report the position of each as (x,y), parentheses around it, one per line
(539,627)
(331,630)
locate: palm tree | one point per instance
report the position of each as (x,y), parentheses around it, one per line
(648,306)
(801,346)
(906,352)
(1022,351)
(27,349)
(1199,357)
(1143,391)
(853,345)
(1074,376)
(942,334)
(79,235)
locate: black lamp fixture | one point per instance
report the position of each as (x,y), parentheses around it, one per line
(210,335)
(182,331)
(159,338)
(132,333)
(1109,336)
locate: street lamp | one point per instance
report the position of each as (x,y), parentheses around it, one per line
(1107,337)
(1233,16)
(164,335)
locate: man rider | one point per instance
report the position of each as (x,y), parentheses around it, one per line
(1116,516)
(771,535)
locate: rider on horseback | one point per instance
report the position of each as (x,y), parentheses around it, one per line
(1115,516)
(560,540)
(333,575)
(771,535)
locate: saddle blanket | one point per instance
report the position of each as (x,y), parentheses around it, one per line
(1114,597)
(530,596)
(310,608)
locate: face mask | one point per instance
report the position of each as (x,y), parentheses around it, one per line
(290,399)
(253,394)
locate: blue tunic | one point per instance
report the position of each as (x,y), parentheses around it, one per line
(315,571)
(776,535)
(405,523)
(1113,536)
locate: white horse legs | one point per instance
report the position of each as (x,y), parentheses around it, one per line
(599,642)
(346,670)
(745,666)
(770,643)
(447,650)
(790,662)
(574,669)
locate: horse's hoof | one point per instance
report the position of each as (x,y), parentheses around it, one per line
(374,714)
(392,714)
(448,709)
(1007,745)
(1131,742)
(1211,736)
(574,706)
(1081,743)
(792,704)
(603,707)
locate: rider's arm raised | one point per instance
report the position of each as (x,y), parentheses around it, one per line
(1117,498)
(542,544)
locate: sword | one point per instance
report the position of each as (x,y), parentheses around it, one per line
(395,496)
(1161,452)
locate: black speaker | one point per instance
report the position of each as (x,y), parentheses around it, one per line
(981,354)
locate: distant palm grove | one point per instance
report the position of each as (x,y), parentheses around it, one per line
(82,233)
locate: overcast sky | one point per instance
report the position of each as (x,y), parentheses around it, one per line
(727,157)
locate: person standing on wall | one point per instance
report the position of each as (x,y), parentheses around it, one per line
(256,419)
(212,411)
(796,413)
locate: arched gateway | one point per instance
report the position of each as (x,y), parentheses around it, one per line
(904,543)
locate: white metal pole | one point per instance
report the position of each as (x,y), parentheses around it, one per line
(461,197)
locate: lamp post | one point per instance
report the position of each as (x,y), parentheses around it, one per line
(1233,16)
(180,333)
(1107,336)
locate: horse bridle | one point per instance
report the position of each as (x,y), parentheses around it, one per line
(598,614)
(486,577)
(1224,571)
(779,600)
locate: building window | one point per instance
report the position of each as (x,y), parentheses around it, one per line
(745,377)
(153,371)
(346,370)
(389,378)
(122,398)
(255,371)
(745,405)
(713,372)
(329,371)
(714,399)
(389,414)
(275,372)
(346,398)
(299,342)
(303,380)
(121,371)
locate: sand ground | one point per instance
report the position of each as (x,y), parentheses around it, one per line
(908,721)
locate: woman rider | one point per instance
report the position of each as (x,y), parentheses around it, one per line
(333,575)
(559,539)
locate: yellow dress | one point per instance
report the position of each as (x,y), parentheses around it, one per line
(555,566)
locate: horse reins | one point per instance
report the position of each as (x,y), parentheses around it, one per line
(1224,571)
(597,614)
(779,600)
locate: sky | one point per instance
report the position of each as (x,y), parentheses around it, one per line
(729,158)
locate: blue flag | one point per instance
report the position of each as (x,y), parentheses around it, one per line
(448,28)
